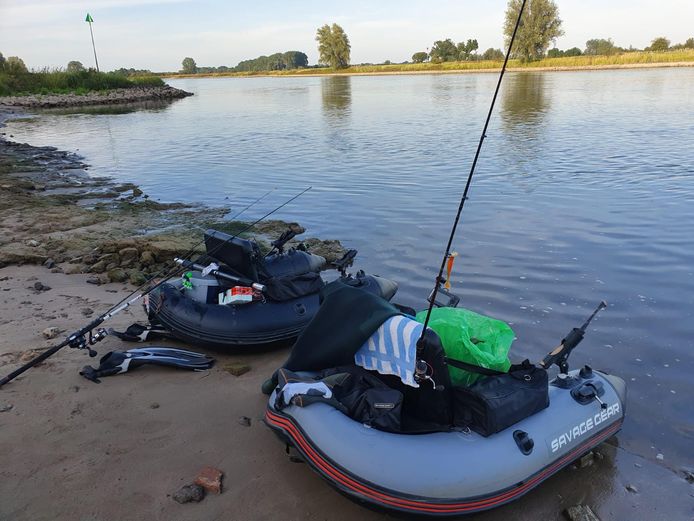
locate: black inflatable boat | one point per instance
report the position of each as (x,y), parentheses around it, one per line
(282,293)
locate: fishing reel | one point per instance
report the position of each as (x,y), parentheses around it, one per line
(423,372)
(85,341)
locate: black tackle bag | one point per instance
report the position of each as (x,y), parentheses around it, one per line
(499,400)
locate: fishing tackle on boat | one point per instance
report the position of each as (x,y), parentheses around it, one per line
(86,337)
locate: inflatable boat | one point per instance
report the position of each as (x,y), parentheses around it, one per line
(280,294)
(419,467)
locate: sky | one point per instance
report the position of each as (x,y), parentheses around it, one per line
(158,34)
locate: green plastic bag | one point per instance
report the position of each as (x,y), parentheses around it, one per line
(473,338)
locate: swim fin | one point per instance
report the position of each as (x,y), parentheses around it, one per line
(117,362)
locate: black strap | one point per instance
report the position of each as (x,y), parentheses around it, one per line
(525,365)
(472,368)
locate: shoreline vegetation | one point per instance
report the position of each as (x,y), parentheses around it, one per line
(629,60)
(50,89)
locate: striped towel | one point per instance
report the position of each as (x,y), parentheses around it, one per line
(392,349)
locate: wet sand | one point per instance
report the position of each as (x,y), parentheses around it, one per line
(72,449)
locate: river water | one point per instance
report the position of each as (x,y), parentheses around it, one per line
(584,191)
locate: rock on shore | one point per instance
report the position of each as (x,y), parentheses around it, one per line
(115,96)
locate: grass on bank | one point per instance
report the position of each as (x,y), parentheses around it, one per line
(63,82)
(630,58)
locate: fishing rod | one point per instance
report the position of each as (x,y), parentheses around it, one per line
(439,277)
(84,338)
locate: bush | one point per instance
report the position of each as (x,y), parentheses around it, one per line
(45,81)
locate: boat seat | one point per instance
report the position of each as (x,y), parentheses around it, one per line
(241,255)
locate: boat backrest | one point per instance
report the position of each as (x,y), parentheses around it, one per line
(241,255)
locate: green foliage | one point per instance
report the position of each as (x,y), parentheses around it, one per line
(275,62)
(539,26)
(14,65)
(689,44)
(333,46)
(132,72)
(189,66)
(420,57)
(2,62)
(466,50)
(600,47)
(659,44)
(443,51)
(493,54)
(79,82)
(574,51)
(74,66)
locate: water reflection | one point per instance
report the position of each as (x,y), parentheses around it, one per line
(337,96)
(524,106)
(524,102)
(122,108)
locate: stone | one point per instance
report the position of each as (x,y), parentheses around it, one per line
(154,405)
(659,457)
(6,407)
(210,479)
(117,275)
(585,460)
(188,493)
(236,369)
(40,286)
(137,192)
(632,488)
(33,243)
(128,257)
(581,513)
(137,278)
(57,269)
(688,475)
(51,332)
(245,421)
(97,267)
(73,269)
(109,258)
(147,258)
(49,263)
(87,312)
(94,280)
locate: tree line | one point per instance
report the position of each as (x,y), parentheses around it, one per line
(275,62)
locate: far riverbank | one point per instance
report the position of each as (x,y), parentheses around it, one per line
(579,63)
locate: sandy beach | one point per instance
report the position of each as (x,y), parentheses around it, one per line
(75,450)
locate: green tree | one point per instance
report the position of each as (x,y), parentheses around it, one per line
(659,44)
(333,46)
(189,66)
(555,53)
(443,51)
(574,51)
(420,57)
(539,26)
(493,54)
(600,47)
(2,62)
(294,59)
(689,44)
(15,65)
(466,49)
(74,66)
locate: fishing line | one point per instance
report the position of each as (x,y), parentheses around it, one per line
(439,277)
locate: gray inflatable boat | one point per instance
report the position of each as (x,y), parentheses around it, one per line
(456,472)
